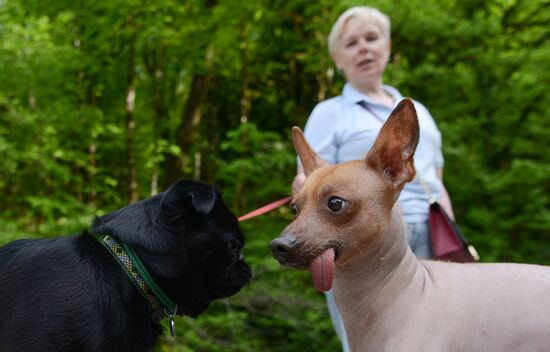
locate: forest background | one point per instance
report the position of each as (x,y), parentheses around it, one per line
(103,103)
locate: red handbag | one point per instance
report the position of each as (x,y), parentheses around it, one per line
(448,242)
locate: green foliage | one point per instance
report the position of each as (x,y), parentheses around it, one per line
(254,160)
(481,68)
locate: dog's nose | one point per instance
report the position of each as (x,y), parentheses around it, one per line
(281,246)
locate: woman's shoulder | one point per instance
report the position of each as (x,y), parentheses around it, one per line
(396,94)
(425,118)
(420,108)
(330,103)
(328,108)
(328,115)
(424,115)
(422,111)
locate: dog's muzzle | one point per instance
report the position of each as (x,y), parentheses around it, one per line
(283,248)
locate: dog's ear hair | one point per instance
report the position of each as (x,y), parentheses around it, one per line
(310,160)
(393,151)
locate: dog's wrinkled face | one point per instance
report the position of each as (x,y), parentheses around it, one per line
(189,240)
(213,241)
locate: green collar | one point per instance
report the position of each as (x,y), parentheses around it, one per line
(159,303)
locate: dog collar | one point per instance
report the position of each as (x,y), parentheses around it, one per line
(159,303)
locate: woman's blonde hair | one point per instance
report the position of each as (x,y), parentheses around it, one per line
(365,13)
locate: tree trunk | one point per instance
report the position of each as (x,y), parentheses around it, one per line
(245,96)
(190,121)
(191,116)
(153,60)
(133,194)
(245,108)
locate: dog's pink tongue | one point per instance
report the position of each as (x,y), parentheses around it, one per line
(322,270)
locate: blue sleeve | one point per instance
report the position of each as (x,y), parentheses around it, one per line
(320,132)
(439,160)
(437,143)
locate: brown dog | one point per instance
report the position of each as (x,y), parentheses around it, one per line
(348,229)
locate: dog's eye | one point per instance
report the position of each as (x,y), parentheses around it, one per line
(294,209)
(336,204)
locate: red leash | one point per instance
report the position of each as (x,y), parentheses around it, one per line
(265,208)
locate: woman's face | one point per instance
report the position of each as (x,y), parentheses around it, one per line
(363,52)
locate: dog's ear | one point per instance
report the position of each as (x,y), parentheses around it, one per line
(393,151)
(195,196)
(310,160)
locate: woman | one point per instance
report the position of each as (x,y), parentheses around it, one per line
(344,128)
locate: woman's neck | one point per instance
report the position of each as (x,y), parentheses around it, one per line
(377,93)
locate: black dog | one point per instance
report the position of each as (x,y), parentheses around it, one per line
(72,293)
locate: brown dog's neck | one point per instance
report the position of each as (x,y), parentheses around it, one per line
(374,281)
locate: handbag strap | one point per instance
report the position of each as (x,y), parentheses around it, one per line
(365,106)
(426,189)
